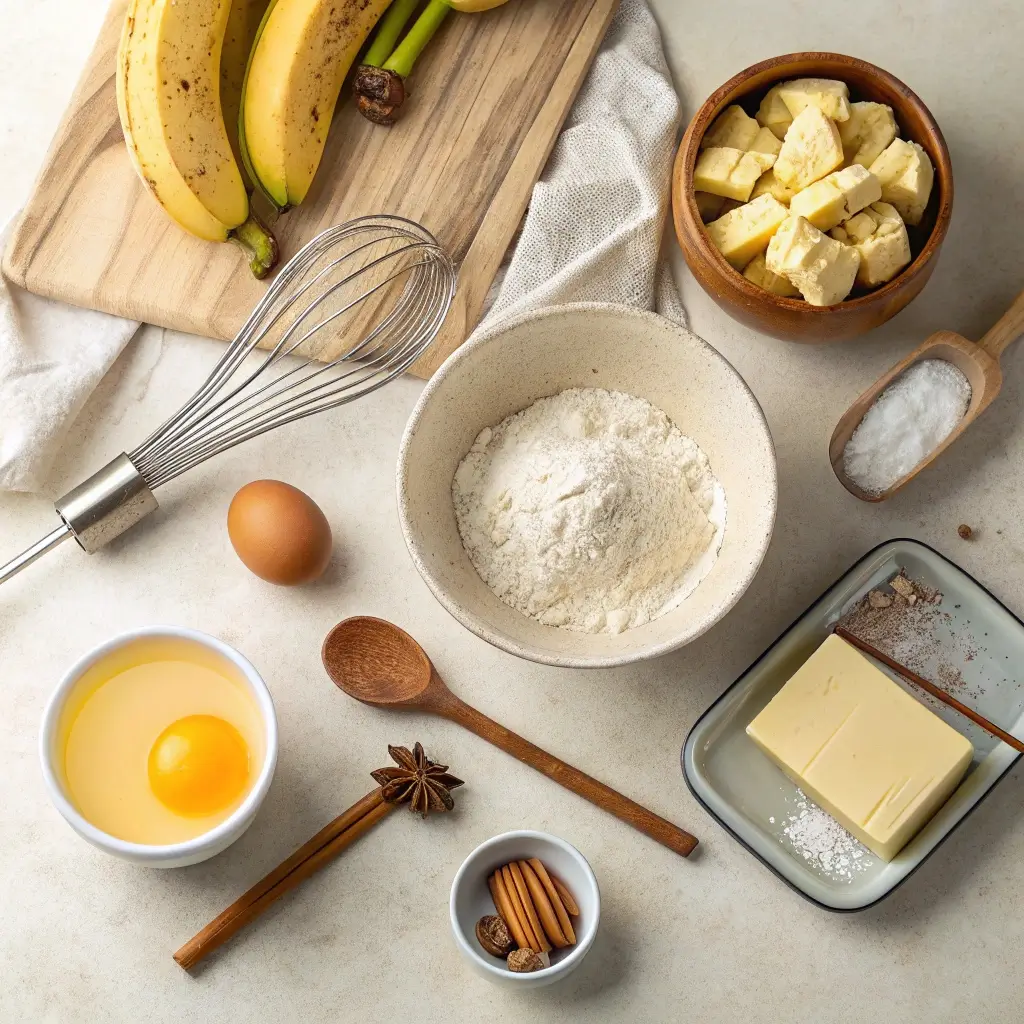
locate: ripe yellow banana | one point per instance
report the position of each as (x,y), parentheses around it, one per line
(168,96)
(475,6)
(243,24)
(296,69)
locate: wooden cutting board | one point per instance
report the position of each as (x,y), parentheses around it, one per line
(486,103)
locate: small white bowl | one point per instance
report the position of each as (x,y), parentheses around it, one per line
(596,345)
(471,900)
(172,855)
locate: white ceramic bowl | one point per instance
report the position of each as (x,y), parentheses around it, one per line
(173,855)
(471,900)
(585,345)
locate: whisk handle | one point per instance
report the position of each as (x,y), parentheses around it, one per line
(26,558)
(95,512)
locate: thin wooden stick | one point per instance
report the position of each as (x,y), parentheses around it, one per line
(309,858)
(863,645)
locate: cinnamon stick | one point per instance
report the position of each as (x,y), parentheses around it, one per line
(929,687)
(308,859)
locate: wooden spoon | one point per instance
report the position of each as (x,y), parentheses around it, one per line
(978,362)
(380,664)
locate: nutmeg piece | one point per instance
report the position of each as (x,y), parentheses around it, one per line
(524,961)
(493,935)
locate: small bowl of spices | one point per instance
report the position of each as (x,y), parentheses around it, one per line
(525,908)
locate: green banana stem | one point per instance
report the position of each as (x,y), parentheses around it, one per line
(388,31)
(380,81)
(404,56)
(258,244)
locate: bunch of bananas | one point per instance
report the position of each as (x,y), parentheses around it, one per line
(218,95)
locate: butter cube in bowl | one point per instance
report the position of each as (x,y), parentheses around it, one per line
(837,147)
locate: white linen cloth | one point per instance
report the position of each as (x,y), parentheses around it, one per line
(593,232)
(52,356)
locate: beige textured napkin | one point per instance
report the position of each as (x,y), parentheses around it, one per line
(594,227)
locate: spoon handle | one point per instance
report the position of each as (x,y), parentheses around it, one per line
(1007,329)
(564,774)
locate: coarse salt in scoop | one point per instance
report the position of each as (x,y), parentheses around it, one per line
(907,422)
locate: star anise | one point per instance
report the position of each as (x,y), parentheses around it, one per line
(425,785)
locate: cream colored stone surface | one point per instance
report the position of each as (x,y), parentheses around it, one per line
(85,937)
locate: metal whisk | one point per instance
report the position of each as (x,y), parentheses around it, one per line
(269,376)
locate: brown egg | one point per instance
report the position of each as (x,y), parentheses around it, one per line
(279,533)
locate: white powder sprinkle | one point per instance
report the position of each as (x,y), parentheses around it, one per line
(823,843)
(907,422)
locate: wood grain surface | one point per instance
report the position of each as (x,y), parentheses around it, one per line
(486,104)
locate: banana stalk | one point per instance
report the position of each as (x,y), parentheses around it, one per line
(380,80)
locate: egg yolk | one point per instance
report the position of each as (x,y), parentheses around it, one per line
(198,765)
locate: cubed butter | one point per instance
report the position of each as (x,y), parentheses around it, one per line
(869,129)
(811,150)
(861,747)
(837,197)
(832,98)
(729,172)
(757,272)
(733,128)
(905,173)
(773,114)
(769,184)
(880,236)
(740,235)
(765,142)
(822,268)
(708,206)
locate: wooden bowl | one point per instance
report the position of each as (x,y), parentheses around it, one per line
(794,319)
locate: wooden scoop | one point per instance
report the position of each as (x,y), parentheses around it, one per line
(978,362)
(380,664)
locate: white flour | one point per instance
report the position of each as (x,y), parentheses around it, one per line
(589,510)
(823,843)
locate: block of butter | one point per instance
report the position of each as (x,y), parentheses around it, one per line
(837,197)
(906,175)
(870,128)
(773,113)
(832,98)
(744,232)
(879,235)
(732,173)
(811,149)
(861,747)
(771,185)
(733,128)
(821,267)
(757,272)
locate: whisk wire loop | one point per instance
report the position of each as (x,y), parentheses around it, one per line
(266,378)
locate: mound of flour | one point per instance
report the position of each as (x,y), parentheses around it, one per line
(589,510)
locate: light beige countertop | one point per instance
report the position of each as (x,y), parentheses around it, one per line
(86,937)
